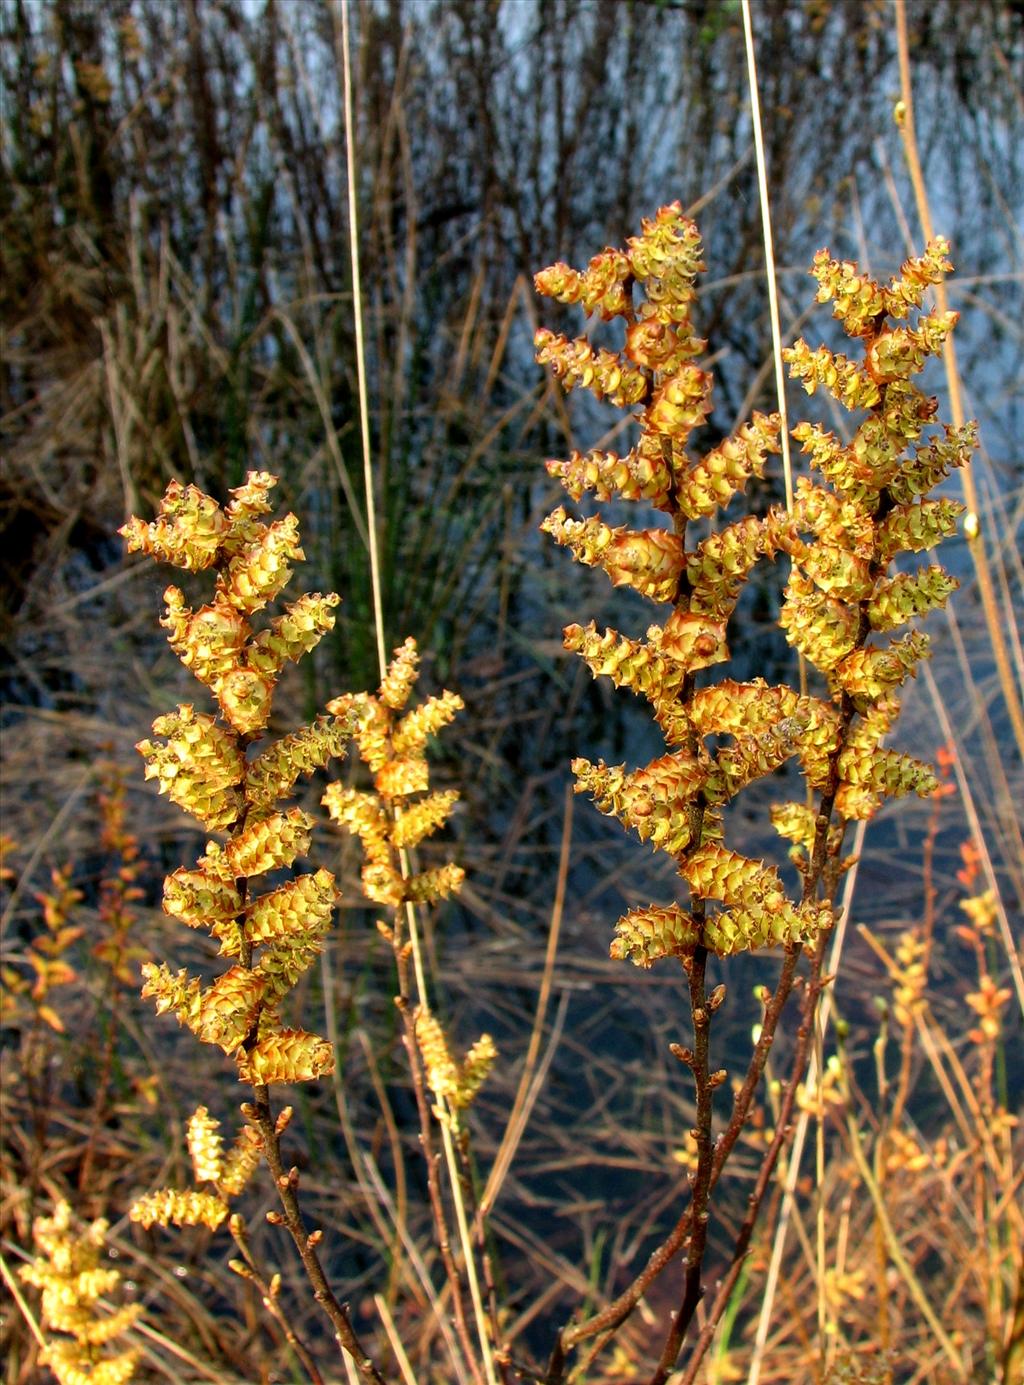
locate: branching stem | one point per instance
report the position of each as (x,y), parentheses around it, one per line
(286,1182)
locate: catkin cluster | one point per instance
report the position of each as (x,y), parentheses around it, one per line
(72,1281)
(399,812)
(841,600)
(202,763)
(391,820)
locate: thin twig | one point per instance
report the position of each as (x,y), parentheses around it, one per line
(286,1182)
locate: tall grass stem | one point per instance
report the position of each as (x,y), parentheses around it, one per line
(978,549)
(357,315)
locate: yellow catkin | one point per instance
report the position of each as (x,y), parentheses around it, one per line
(204,1145)
(67,1271)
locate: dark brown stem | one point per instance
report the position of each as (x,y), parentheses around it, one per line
(269,1297)
(693,1290)
(286,1182)
(100,1098)
(616,1312)
(478,1222)
(783,1131)
(816,871)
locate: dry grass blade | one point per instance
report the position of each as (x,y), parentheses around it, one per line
(979,550)
(526,1092)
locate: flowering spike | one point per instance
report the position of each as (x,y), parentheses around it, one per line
(433,885)
(916,275)
(400,778)
(870,673)
(651,560)
(274,772)
(289,1055)
(693,639)
(754,756)
(454,1083)
(601,288)
(649,800)
(68,1272)
(914,528)
(187,532)
(205,1146)
(281,965)
(887,772)
(666,259)
(199,766)
(680,405)
(247,503)
(577,363)
(661,346)
(394,817)
(208,641)
(442,1074)
(423,818)
(245,697)
(303,905)
(795,822)
(932,461)
(730,707)
(628,663)
(821,628)
(294,633)
(643,474)
(713,482)
(901,352)
(714,872)
(859,301)
(260,569)
(416,727)
(852,386)
(400,677)
(644,936)
(269,843)
(200,899)
(718,567)
(895,600)
(228,1009)
(475,1069)
(169,1207)
(361,813)
(240,1162)
(741,929)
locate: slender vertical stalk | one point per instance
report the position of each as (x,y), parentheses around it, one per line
(769,250)
(378,609)
(765,1175)
(357,314)
(978,550)
(431,1159)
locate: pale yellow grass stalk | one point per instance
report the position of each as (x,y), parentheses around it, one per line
(486,1350)
(979,552)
